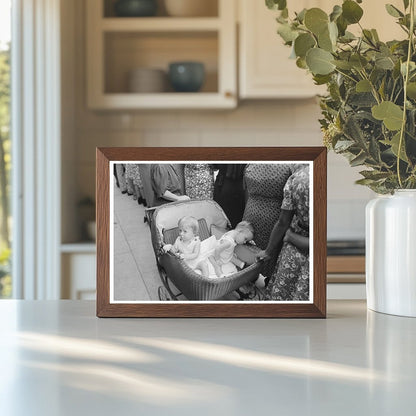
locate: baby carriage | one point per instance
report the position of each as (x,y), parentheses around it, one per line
(212,219)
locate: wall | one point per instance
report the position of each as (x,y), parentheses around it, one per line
(253,123)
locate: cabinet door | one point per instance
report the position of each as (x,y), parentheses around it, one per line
(78,276)
(266,71)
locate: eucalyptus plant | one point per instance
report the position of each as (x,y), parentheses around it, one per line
(369,111)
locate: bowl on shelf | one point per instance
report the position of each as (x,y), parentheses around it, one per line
(191,8)
(135,8)
(186,76)
(147,80)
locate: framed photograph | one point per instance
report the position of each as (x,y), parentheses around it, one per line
(211,232)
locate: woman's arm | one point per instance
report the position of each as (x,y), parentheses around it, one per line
(297,240)
(168,195)
(279,231)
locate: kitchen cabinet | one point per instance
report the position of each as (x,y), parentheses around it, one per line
(78,262)
(265,70)
(118,45)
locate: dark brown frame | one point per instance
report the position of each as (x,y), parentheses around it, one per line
(317,309)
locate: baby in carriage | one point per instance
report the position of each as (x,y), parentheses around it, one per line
(196,254)
(224,251)
(188,245)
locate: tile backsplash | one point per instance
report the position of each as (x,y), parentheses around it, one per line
(257,123)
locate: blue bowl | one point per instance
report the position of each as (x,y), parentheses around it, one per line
(135,8)
(186,76)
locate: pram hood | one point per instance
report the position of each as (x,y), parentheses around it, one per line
(167,216)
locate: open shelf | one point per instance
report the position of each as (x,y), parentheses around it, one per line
(160,24)
(127,51)
(210,9)
(116,46)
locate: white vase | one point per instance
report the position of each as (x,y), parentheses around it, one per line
(391,253)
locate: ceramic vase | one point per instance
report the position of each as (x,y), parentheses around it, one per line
(135,8)
(391,253)
(186,76)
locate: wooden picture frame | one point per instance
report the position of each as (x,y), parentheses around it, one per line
(107,306)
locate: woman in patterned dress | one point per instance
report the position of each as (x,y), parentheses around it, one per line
(133,175)
(119,173)
(290,279)
(199,181)
(265,183)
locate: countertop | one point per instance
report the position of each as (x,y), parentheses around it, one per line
(57,358)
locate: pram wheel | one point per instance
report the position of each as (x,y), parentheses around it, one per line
(163,294)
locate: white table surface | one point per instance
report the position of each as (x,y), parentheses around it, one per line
(57,358)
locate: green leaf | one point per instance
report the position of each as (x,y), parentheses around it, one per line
(382,89)
(333,32)
(374,150)
(362,99)
(319,61)
(384,62)
(358,61)
(316,20)
(393,11)
(301,15)
(276,4)
(412,67)
(347,37)
(343,145)
(365,182)
(325,42)
(375,35)
(287,33)
(374,174)
(406,4)
(351,11)
(303,43)
(363,86)
(321,79)
(353,131)
(359,160)
(342,25)
(301,63)
(336,12)
(344,65)
(411,90)
(394,143)
(391,114)
(368,36)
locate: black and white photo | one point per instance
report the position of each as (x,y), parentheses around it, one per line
(211,231)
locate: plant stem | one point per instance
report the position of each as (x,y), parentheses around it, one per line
(405,81)
(373,88)
(346,75)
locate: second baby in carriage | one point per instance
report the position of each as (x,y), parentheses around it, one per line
(210,252)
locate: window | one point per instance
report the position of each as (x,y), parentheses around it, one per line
(5,147)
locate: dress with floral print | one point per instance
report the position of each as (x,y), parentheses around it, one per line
(290,279)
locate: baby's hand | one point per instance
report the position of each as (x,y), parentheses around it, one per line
(181,256)
(167,247)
